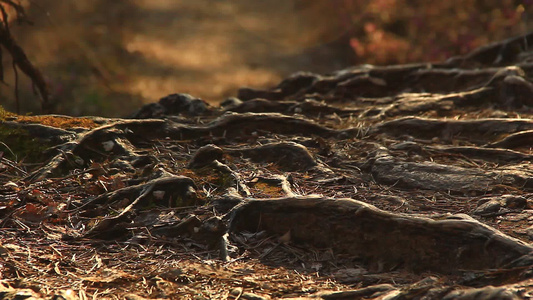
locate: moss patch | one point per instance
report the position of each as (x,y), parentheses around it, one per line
(64,122)
(17,144)
(58,121)
(4,114)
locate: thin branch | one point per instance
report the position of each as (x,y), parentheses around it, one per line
(20,59)
(17,99)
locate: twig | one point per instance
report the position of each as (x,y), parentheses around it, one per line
(16,90)
(106,220)
(20,59)
(13,165)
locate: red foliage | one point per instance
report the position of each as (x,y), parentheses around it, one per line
(402,31)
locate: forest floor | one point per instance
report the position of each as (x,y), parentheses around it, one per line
(395,182)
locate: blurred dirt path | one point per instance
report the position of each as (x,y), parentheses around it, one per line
(214,47)
(104,53)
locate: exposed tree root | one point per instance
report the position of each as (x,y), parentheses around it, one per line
(437,158)
(383,240)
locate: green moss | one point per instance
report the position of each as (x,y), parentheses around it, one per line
(17,145)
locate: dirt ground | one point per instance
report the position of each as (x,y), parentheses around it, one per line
(394,182)
(101,57)
(398,182)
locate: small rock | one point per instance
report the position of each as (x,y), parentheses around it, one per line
(173,104)
(236,292)
(230,103)
(514,202)
(488,207)
(108,145)
(183,103)
(176,103)
(205,155)
(150,110)
(197,107)
(503,73)
(516,92)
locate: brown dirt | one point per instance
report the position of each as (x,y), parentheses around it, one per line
(404,181)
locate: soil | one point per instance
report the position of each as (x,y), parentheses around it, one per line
(398,182)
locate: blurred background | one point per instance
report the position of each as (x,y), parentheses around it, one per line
(107,58)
